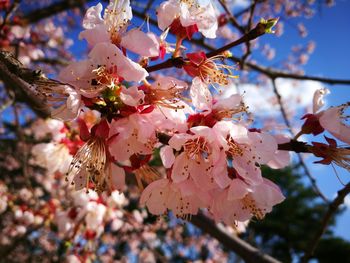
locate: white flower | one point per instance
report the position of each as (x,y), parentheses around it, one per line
(52,156)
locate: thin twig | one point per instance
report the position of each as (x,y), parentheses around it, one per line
(270,72)
(301,160)
(249,26)
(232,18)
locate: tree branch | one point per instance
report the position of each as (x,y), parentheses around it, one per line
(332,208)
(51,10)
(17,78)
(231,242)
(270,72)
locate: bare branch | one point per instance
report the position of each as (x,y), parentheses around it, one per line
(51,10)
(232,17)
(270,72)
(232,242)
(332,208)
(16,78)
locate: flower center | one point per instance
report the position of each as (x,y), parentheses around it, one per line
(165,97)
(234,149)
(212,72)
(197,149)
(249,203)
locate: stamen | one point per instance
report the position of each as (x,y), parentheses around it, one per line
(90,158)
(249,203)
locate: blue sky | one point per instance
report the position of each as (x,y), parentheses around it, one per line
(330,29)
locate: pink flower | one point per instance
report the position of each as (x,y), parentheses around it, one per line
(331,153)
(112,27)
(189,14)
(241,201)
(280,159)
(131,135)
(196,160)
(92,163)
(149,47)
(245,149)
(70,109)
(132,96)
(332,120)
(312,124)
(207,69)
(200,94)
(54,157)
(163,195)
(103,69)
(213,109)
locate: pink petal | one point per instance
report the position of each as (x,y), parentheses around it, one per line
(180,171)
(149,47)
(237,190)
(117,180)
(132,96)
(98,34)
(331,120)
(200,94)
(167,156)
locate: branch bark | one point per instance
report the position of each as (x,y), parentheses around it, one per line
(231,242)
(332,208)
(51,10)
(16,78)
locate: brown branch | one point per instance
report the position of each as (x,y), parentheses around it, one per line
(178,62)
(256,32)
(232,18)
(282,109)
(232,242)
(248,46)
(270,72)
(332,208)
(17,78)
(51,10)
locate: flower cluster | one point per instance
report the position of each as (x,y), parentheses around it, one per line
(211,158)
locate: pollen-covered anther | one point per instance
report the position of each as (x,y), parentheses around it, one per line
(197,149)
(105,77)
(147,174)
(234,148)
(190,3)
(213,72)
(249,203)
(228,113)
(167,98)
(340,156)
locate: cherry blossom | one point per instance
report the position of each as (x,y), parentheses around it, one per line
(240,201)
(330,119)
(92,163)
(191,15)
(112,28)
